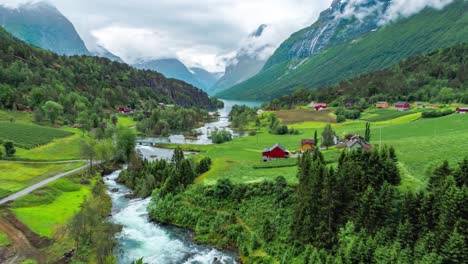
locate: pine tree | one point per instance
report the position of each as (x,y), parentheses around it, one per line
(315,138)
(455,249)
(437,178)
(461,173)
(177,157)
(367,136)
(368,211)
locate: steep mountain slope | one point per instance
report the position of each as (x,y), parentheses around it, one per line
(439,76)
(248,61)
(171,68)
(205,78)
(285,72)
(30,76)
(103,52)
(42,25)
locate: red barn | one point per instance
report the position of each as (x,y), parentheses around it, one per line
(402,106)
(320,106)
(275,152)
(125,110)
(462,110)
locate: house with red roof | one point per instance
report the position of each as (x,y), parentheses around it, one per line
(275,152)
(402,106)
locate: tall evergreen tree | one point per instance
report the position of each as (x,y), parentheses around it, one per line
(367,136)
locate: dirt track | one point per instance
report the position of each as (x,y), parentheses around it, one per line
(21,247)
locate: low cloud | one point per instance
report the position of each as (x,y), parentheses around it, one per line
(406,8)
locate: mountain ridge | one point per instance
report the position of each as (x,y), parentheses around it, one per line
(428,30)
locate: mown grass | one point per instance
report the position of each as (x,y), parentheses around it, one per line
(15,176)
(4,240)
(383,114)
(59,149)
(51,207)
(29,136)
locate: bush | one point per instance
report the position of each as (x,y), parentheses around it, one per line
(9,148)
(348,114)
(340,118)
(435,113)
(219,137)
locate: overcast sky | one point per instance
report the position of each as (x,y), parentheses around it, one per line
(202,32)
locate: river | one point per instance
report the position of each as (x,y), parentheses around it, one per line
(159,244)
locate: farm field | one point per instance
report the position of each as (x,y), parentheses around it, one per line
(29,136)
(420,144)
(52,206)
(59,149)
(15,176)
(305,115)
(383,114)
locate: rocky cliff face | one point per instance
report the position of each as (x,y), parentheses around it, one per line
(344,21)
(42,25)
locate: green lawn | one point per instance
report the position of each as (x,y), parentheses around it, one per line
(15,176)
(383,114)
(4,240)
(52,206)
(29,136)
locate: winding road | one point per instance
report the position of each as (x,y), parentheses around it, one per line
(40,184)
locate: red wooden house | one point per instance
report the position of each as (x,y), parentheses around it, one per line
(125,110)
(320,106)
(462,110)
(275,152)
(402,106)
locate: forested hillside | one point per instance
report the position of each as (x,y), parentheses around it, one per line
(81,84)
(440,76)
(429,30)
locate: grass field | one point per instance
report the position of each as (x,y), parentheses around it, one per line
(420,144)
(59,149)
(15,176)
(30,136)
(16,116)
(4,240)
(305,115)
(52,206)
(126,121)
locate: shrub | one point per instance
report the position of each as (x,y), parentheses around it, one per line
(219,137)
(435,113)
(340,118)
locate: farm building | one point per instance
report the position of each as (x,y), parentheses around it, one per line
(307,145)
(462,110)
(349,105)
(402,106)
(357,142)
(260,112)
(382,105)
(320,106)
(275,152)
(418,104)
(125,110)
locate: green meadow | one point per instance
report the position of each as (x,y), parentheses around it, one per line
(15,176)
(420,145)
(50,207)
